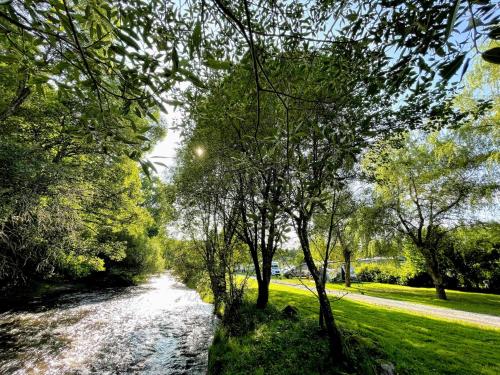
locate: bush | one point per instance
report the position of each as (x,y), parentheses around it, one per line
(406,273)
(380,273)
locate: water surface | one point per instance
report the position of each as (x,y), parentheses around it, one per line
(160,327)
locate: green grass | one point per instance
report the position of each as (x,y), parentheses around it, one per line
(267,342)
(465,301)
(415,344)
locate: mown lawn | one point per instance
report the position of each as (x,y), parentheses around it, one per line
(465,301)
(415,344)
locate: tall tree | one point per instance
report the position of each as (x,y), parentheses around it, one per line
(429,187)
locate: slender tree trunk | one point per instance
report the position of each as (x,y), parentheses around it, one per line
(347,259)
(218,296)
(323,282)
(334,335)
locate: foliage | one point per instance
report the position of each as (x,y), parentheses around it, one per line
(472,257)
(469,257)
(69,200)
(378,273)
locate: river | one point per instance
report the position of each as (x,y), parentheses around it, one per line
(159,327)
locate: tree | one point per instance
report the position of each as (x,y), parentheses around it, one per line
(70,202)
(433,182)
(427,187)
(101,49)
(209,209)
(472,256)
(244,155)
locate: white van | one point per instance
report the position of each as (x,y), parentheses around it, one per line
(275,269)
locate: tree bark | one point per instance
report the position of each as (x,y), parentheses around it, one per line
(347,259)
(438,284)
(21,95)
(263,293)
(435,273)
(334,335)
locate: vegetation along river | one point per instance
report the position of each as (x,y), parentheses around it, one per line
(160,327)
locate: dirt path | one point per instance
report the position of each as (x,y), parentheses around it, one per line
(431,311)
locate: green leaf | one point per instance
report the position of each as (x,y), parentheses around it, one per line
(196,37)
(152,116)
(5,2)
(448,70)
(118,49)
(40,78)
(175,60)
(147,167)
(452,18)
(192,78)
(130,42)
(464,70)
(352,17)
(494,33)
(216,64)
(492,55)
(143,138)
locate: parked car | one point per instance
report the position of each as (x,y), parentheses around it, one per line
(299,271)
(275,269)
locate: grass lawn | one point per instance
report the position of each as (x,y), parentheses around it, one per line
(415,344)
(466,301)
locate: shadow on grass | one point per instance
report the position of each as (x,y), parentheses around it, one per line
(416,344)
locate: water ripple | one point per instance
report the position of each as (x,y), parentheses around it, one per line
(160,327)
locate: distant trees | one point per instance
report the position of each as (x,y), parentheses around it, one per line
(430,184)
(471,257)
(428,187)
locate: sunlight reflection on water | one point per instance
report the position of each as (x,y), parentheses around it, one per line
(160,327)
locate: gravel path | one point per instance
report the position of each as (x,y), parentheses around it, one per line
(431,311)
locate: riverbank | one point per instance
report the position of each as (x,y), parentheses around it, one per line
(413,344)
(41,291)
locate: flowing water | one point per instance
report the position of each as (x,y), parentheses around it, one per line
(160,327)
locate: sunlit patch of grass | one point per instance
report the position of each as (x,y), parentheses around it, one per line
(416,344)
(465,301)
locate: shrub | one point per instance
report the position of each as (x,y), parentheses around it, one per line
(406,273)
(380,273)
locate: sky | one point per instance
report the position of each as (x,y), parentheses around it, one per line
(167,148)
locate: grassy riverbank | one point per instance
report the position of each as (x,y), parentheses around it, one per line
(415,344)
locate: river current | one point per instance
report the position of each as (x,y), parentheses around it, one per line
(160,327)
